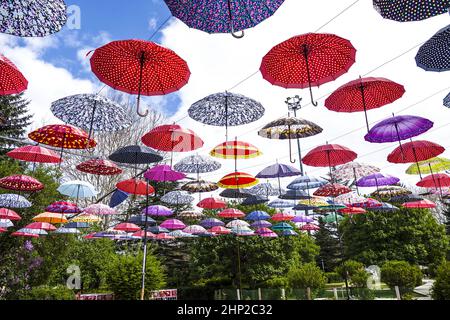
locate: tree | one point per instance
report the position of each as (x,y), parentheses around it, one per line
(402,274)
(306,276)
(13,109)
(412,235)
(330,253)
(125,272)
(441,287)
(355,272)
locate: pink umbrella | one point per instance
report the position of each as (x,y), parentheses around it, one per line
(282,216)
(41,226)
(368,203)
(231,213)
(99,209)
(173,224)
(270,234)
(141,234)
(310,227)
(3,230)
(219,230)
(262,231)
(162,173)
(24,234)
(9,214)
(163,236)
(127,227)
(194,229)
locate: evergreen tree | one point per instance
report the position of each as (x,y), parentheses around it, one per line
(15,119)
(327,239)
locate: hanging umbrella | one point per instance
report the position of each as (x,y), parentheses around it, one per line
(6,223)
(211,222)
(9,214)
(212,204)
(12,80)
(261,224)
(235,150)
(384,207)
(435,180)
(314,201)
(92,112)
(332,218)
(157,211)
(14,201)
(180,234)
(135,155)
(32,18)
(433,55)
(306,182)
(423,204)
(289,128)
(364,94)
(410,10)
(63,207)
(21,183)
(143,234)
(367,203)
(88,218)
(164,237)
(237,223)
(199,186)
(377,180)
(332,190)
(163,173)
(308,60)
(310,227)
(77,189)
(34,154)
(197,164)
(262,231)
(302,219)
(257,215)
(234,194)
(139,67)
(220,230)
(191,215)
(65,230)
(288,233)
(100,209)
(237,180)
(437,164)
(99,167)
(225,16)
(282,216)
(304,207)
(295,195)
(354,171)
(349,198)
(157,230)
(194,229)
(226,109)
(405,198)
(24,233)
(173,224)
(254,200)
(242,231)
(265,190)
(127,227)
(141,219)
(415,151)
(231,213)
(282,226)
(278,171)
(117,198)
(41,226)
(279,203)
(136,187)
(77,225)
(331,206)
(51,217)
(177,198)
(3,230)
(390,191)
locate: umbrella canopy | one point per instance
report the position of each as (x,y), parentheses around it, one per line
(135,155)
(6,223)
(329,155)
(282,226)
(140,220)
(197,164)
(194,229)
(77,189)
(257,215)
(41,226)
(157,211)
(428,166)
(77,225)
(226,109)
(157,230)
(62,136)
(3,230)
(310,227)
(139,67)
(265,190)
(136,187)
(177,198)
(367,203)
(390,191)
(254,200)
(21,183)
(50,217)
(191,215)
(279,203)
(231,213)
(406,198)
(117,198)
(423,204)
(237,223)
(180,234)
(199,186)
(410,10)
(398,128)
(263,231)
(63,207)
(172,137)
(127,227)
(235,150)
(225,16)
(242,231)
(288,233)
(88,218)
(34,154)
(364,94)
(163,173)
(164,237)
(437,180)
(354,171)
(282,216)
(433,55)
(295,195)
(143,234)
(211,222)
(304,207)
(332,217)
(237,180)
(306,182)
(100,209)
(314,201)
(377,180)
(384,207)
(332,190)
(349,198)
(302,219)
(32,18)
(278,171)
(234,194)
(308,60)
(12,80)
(173,224)
(99,167)
(261,224)
(9,214)
(9,200)
(92,112)
(220,230)
(415,151)
(25,233)
(212,204)
(65,230)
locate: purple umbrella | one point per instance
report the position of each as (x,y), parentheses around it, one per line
(261,231)
(377,180)
(302,219)
(157,211)
(211,222)
(163,173)
(261,224)
(173,224)
(278,171)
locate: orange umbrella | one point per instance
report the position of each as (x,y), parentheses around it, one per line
(50,217)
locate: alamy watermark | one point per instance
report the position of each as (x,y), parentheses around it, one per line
(74,280)
(73,17)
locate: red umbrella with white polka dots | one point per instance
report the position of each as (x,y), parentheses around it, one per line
(12,80)
(140,67)
(308,60)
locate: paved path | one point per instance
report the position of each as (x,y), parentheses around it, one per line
(425,289)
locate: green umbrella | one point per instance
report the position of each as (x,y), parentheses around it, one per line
(430,166)
(331,218)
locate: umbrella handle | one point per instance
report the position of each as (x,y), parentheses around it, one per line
(314,103)
(290,152)
(142,115)
(236,35)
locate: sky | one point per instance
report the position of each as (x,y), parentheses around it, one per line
(57,66)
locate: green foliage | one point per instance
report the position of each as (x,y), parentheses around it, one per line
(307,275)
(402,274)
(355,272)
(277,282)
(441,287)
(328,241)
(50,293)
(125,274)
(411,235)
(333,277)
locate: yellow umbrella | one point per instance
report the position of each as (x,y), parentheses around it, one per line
(429,166)
(237,180)
(50,217)
(315,201)
(88,218)
(235,150)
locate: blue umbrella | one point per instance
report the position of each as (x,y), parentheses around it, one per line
(135,155)
(9,200)
(434,55)
(257,215)
(306,182)
(211,222)
(278,171)
(177,198)
(140,220)
(261,224)
(410,10)
(278,203)
(40,232)
(77,225)
(295,195)
(447,101)
(117,198)
(65,230)
(288,233)
(157,229)
(304,207)
(265,189)
(254,200)
(77,189)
